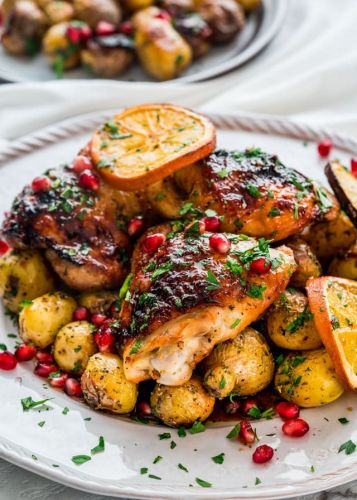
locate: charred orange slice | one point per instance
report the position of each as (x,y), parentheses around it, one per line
(144,144)
(333,302)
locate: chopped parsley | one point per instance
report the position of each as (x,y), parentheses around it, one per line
(41,424)
(348,447)
(306,315)
(212,280)
(343,420)
(172,445)
(80,459)
(257,481)
(203,483)
(65,410)
(28,403)
(157,459)
(164,268)
(254,191)
(3,347)
(144,470)
(135,347)
(256,291)
(100,446)
(165,435)
(218,459)
(274,212)
(234,433)
(197,427)
(181,432)
(152,476)
(235,323)
(182,467)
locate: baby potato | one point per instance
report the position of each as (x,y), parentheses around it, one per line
(329,237)
(161,49)
(57,47)
(40,321)
(58,11)
(249,5)
(307,264)
(104,384)
(182,405)
(98,302)
(308,379)
(290,322)
(243,365)
(344,265)
(94,11)
(74,345)
(134,5)
(225,18)
(24,275)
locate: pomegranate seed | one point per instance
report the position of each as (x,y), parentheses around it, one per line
(152,242)
(260,266)
(232,407)
(135,226)
(41,184)
(59,380)
(126,28)
(248,404)
(25,352)
(73,34)
(105,339)
(144,408)
(219,243)
(295,427)
(287,410)
(44,357)
(262,454)
(195,227)
(98,319)
(354,166)
(246,433)
(7,361)
(324,148)
(72,387)
(86,32)
(81,163)
(44,369)
(212,224)
(164,15)
(103,28)
(88,180)
(81,314)
(4,247)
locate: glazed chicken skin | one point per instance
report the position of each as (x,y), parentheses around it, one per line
(78,227)
(185,298)
(252,191)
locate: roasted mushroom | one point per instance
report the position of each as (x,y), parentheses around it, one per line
(94,11)
(225,18)
(195,31)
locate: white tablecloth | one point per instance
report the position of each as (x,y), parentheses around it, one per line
(308,74)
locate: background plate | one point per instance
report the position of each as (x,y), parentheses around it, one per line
(48,450)
(262,25)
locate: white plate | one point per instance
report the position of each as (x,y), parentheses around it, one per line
(262,25)
(130,446)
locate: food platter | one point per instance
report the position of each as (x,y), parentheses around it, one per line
(262,26)
(302,466)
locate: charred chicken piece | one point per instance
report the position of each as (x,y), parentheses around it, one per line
(185,298)
(225,17)
(77,224)
(108,56)
(195,31)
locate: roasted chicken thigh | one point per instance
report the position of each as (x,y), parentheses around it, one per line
(185,298)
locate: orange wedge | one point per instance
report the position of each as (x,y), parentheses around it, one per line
(144,144)
(333,302)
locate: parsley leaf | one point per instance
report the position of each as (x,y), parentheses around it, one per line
(348,447)
(197,427)
(203,483)
(28,403)
(218,459)
(100,446)
(80,459)
(212,280)
(256,291)
(233,434)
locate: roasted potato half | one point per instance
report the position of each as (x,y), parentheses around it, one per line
(104,384)
(182,405)
(98,302)
(41,320)
(344,264)
(134,5)
(161,49)
(290,323)
(308,379)
(24,275)
(58,11)
(243,365)
(329,237)
(74,345)
(58,49)
(307,264)
(94,11)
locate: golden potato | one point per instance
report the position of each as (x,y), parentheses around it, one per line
(58,11)
(290,322)
(41,320)
(344,264)
(182,405)
(308,379)
(134,5)
(249,5)
(243,365)
(307,264)
(24,275)
(94,11)
(104,384)
(60,52)
(331,236)
(161,49)
(74,345)
(98,302)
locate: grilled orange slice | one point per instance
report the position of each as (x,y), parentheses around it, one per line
(144,144)
(333,302)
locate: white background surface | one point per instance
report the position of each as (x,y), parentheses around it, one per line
(309,74)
